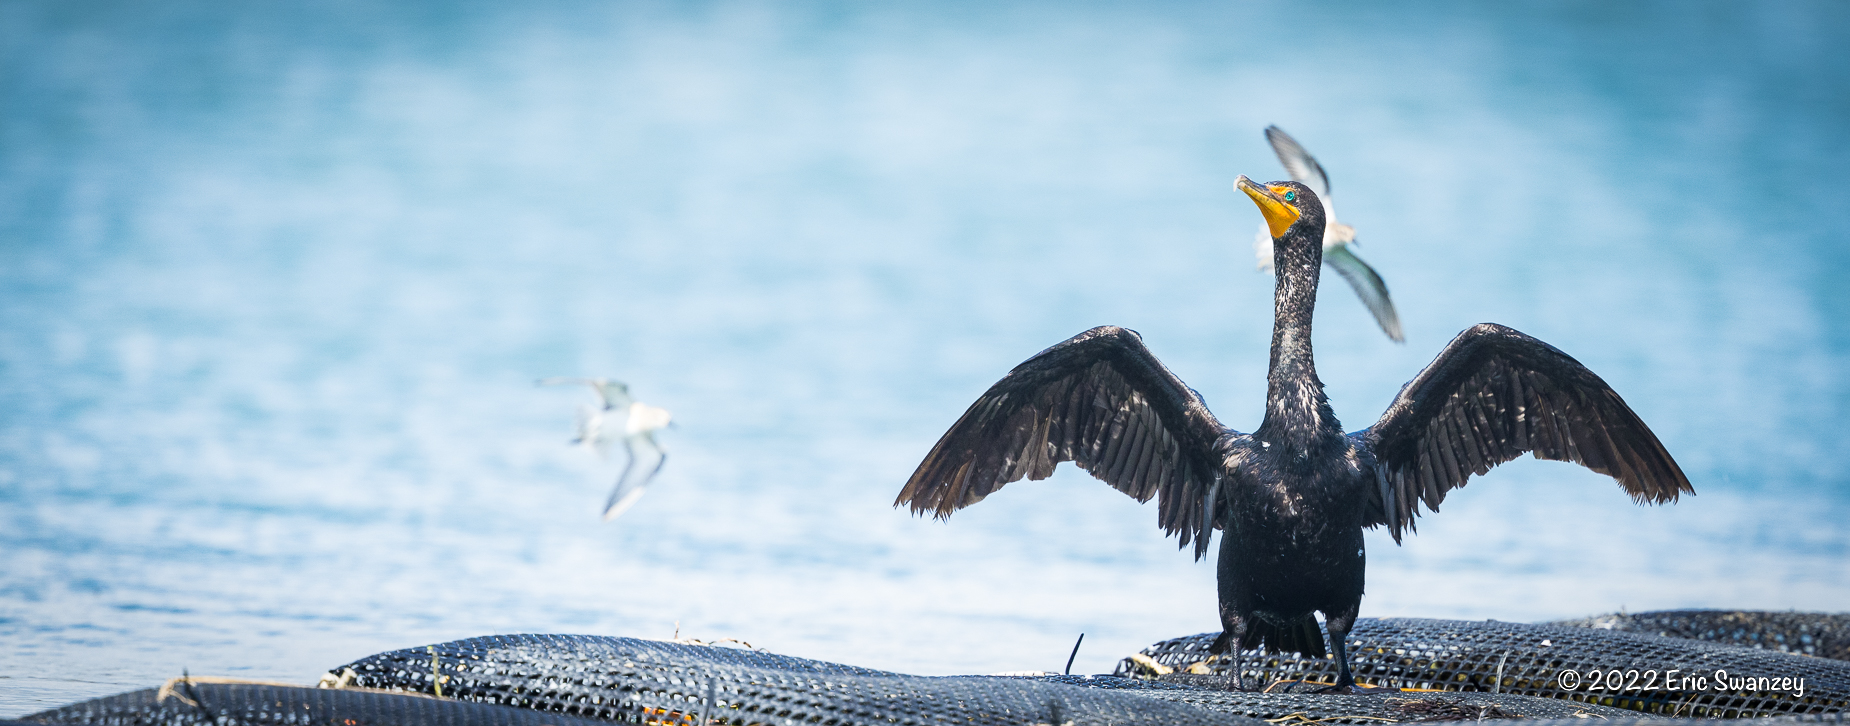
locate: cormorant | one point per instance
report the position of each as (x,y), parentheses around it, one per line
(640,422)
(1293,497)
(1337,236)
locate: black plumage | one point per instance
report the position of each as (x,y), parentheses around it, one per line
(1293,497)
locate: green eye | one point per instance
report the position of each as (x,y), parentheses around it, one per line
(1291,196)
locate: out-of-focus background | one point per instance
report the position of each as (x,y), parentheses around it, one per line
(276,283)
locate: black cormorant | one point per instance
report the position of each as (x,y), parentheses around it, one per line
(1293,497)
(1337,236)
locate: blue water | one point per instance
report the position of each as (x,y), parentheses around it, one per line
(275,285)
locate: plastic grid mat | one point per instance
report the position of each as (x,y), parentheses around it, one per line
(247,705)
(1824,635)
(631,680)
(1210,692)
(1577,664)
(238,705)
(251,705)
(581,680)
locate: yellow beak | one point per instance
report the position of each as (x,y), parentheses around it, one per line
(1279,214)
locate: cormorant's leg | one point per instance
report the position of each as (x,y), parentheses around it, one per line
(1339,624)
(1233,631)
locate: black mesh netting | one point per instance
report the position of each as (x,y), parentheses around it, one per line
(1825,635)
(255,705)
(1210,692)
(626,679)
(1619,669)
(578,680)
(619,678)
(252,705)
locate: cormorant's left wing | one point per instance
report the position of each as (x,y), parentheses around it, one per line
(1099,400)
(1495,394)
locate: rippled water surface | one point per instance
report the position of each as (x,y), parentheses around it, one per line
(275,285)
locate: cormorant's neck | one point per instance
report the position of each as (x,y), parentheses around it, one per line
(1297,414)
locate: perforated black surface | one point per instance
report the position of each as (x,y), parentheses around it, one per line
(626,679)
(1210,692)
(242,705)
(1531,660)
(1827,718)
(530,680)
(1825,635)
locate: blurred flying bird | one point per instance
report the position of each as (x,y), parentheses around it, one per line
(639,422)
(1337,237)
(1291,499)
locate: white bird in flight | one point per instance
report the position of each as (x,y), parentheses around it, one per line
(639,420)
(1305,170)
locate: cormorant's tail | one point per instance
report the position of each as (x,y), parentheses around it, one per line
(1301,636)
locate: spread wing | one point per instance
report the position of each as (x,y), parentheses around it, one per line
(1302,167)
(613,394)
(1368,286)
(1492,395)
(1099,400)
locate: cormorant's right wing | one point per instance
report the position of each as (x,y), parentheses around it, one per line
(1495,394)
(1368,286)
(1099,400)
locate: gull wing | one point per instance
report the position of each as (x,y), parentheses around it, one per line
(613,394)
(1302,167)
(626,492)
(589,424)
(1368,286)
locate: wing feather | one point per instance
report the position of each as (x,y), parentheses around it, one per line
(1302,167)
(1495,394)
(1368,286)
(1480,439)
(1128,432)
(1521,432)
(1101,401)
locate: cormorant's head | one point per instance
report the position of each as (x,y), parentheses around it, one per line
(1286,205)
